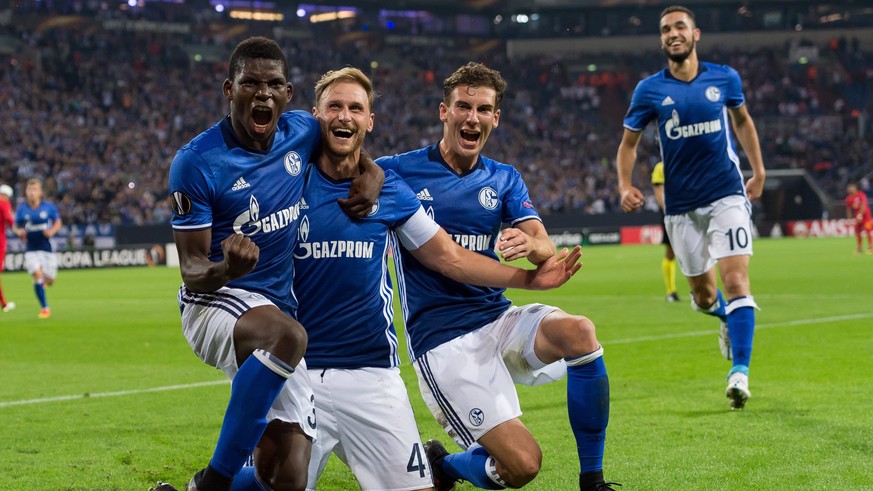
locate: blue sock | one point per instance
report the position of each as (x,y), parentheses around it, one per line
(247,480)
(39,289)
(255,387)
(588,407)
(741,329)
(471,466)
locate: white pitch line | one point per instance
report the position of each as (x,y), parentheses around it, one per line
(112,394)
(798,322)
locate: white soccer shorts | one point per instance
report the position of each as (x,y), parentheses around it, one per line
(44,261)
(208,320)
(703,236)
(365,418)
(469,382)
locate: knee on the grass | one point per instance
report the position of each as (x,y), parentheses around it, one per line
(523,469)
(288,481)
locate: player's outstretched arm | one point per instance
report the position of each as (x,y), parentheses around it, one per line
(202,275)
(631,197)
(365,188)
(443,255)
(557,270)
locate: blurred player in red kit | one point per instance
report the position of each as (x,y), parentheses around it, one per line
(858,209)
(6,220)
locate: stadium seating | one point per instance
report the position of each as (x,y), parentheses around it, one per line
(99,111)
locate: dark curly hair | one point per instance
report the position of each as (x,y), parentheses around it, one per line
(475,75)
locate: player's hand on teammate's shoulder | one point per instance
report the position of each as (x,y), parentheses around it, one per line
(356,206)
(631,199)
(365,188)
(240,255)
(556,270)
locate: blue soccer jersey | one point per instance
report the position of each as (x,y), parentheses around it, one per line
(341,273)
(471,207)
(217,184)
(694,131)
(35,221)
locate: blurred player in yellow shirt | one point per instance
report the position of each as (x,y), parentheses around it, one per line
(668,264)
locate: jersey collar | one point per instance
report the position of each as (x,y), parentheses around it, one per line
(434,155)
(700,69)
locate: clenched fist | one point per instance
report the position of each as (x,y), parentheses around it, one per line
(240,255)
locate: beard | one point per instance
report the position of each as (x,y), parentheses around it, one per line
(679,57)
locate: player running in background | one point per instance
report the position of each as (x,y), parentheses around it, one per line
(235,193)
(345,294)
(468,343)
(695,105)
(858,209)
(6,221)
(37,222)
(668,264)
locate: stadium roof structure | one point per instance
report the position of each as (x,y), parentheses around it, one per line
(504,6)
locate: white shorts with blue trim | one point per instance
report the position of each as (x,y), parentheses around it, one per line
(44,261)
(703,236)
(208,320)
(469,382)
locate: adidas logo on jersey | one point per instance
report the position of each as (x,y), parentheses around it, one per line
(668,101)
(424,195)
(240,184)
(303,205)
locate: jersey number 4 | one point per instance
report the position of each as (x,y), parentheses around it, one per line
(416,463)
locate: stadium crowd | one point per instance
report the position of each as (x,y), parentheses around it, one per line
(99,113)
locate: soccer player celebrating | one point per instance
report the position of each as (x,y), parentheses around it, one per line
(6,221)
(235,192)
(708,214)
(858,209)
(37,222)
(468,343)
(668,264)
(345,294)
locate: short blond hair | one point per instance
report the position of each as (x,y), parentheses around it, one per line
(345,74)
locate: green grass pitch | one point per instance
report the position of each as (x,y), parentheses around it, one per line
(107,395)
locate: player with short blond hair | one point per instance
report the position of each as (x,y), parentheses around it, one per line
(345,293)
(37,221)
